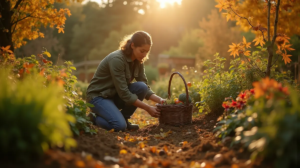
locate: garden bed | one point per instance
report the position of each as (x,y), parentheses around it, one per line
(152,146)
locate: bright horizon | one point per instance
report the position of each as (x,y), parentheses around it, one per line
(163,3)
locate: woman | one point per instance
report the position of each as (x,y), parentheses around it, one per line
(111,91)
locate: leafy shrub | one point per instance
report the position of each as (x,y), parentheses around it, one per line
(56,74)
(151,73)
(32,117)
(81,89)
(216,85)
(273,132)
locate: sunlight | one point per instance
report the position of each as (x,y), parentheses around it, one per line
(163,3)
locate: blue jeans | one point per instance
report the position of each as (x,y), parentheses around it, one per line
(108,114)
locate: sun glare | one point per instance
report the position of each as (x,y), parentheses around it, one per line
(164,3)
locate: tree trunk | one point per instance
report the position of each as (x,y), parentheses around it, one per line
(270,57)
(271,46)
(5,24)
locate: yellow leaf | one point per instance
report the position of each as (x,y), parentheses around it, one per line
(221,5)
(47,53)
(259,40)
(60,29)
(123,151)
(245,44)
(141,145)
(286,58)
(112,130)
(247,53)
(234,49)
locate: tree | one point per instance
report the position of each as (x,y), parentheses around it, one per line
(111,43)
(273,21)
(20,20)
(215,40)
(49,43)
(188,45)
(99,22)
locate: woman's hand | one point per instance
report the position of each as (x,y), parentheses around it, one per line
(153,111)
(162,101)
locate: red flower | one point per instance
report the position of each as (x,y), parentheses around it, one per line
(242,95)
(252,91)
(233,104)
(225,105)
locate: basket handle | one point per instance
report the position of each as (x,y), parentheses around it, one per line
(186,88)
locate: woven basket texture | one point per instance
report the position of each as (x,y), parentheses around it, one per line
(175,114)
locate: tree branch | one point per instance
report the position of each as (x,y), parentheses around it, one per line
(248,22)
(269,10)
(275,61)
(256,66)
(17,4)
(22,19)
(275,24)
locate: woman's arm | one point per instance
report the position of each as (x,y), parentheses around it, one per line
(157,99)
(153,111)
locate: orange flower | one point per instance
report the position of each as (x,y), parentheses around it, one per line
(189,84)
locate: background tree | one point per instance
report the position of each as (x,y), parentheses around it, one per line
(217,34)
(273,21)
(111,43)
(188,45)
(20,20)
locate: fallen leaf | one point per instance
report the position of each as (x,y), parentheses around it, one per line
(80,163)
(166,149)
(234,166)
(123,151)
(153,149)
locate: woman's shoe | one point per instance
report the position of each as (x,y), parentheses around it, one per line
(132,127)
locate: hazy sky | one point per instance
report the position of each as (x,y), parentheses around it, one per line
(163,3)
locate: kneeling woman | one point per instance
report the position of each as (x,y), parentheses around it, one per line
(111,91)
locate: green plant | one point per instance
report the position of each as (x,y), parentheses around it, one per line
(268,126)
(32,117)
(151,73)
(81,88)
(62,75)
(216,85)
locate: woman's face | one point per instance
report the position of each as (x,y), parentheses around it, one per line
(141,52)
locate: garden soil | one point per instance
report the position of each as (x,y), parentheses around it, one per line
(153,146)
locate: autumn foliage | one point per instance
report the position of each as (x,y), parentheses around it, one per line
(21,20)
(272,22)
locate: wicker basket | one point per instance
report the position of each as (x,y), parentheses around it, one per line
(179,114)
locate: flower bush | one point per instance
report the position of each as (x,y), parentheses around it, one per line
(268,124)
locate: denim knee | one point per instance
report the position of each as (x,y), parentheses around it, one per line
(141,87)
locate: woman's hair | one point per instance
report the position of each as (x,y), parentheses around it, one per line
(138,38)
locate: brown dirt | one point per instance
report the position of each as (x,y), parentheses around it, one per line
(153,146)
